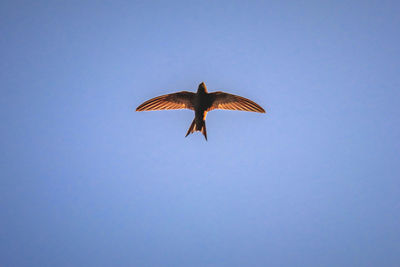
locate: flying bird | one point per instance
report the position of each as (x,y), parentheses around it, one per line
(201,102)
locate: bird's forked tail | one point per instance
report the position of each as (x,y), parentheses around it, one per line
(195,127)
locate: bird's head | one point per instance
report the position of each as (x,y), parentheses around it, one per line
(202,88)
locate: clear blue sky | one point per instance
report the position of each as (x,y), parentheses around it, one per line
(87,181)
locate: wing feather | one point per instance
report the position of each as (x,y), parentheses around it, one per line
(179,100)
(221,100)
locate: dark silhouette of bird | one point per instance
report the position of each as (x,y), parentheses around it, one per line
(201,102)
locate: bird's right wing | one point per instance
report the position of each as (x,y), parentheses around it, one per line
(221,100)
(179,100)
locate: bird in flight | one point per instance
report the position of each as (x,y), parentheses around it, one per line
(201,102)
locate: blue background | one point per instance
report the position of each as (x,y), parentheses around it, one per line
(87,181)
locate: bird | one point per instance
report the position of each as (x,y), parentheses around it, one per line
(201,103)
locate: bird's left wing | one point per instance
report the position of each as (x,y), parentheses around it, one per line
(221,100)
(179,100)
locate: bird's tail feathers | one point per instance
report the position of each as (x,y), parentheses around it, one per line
(191,128)
(194,127)
(204,130)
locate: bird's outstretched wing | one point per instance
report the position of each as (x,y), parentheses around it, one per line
(179,100)
(221,100)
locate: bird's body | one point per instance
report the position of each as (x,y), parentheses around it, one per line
(201,102)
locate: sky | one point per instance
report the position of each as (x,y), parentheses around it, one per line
(87,181)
